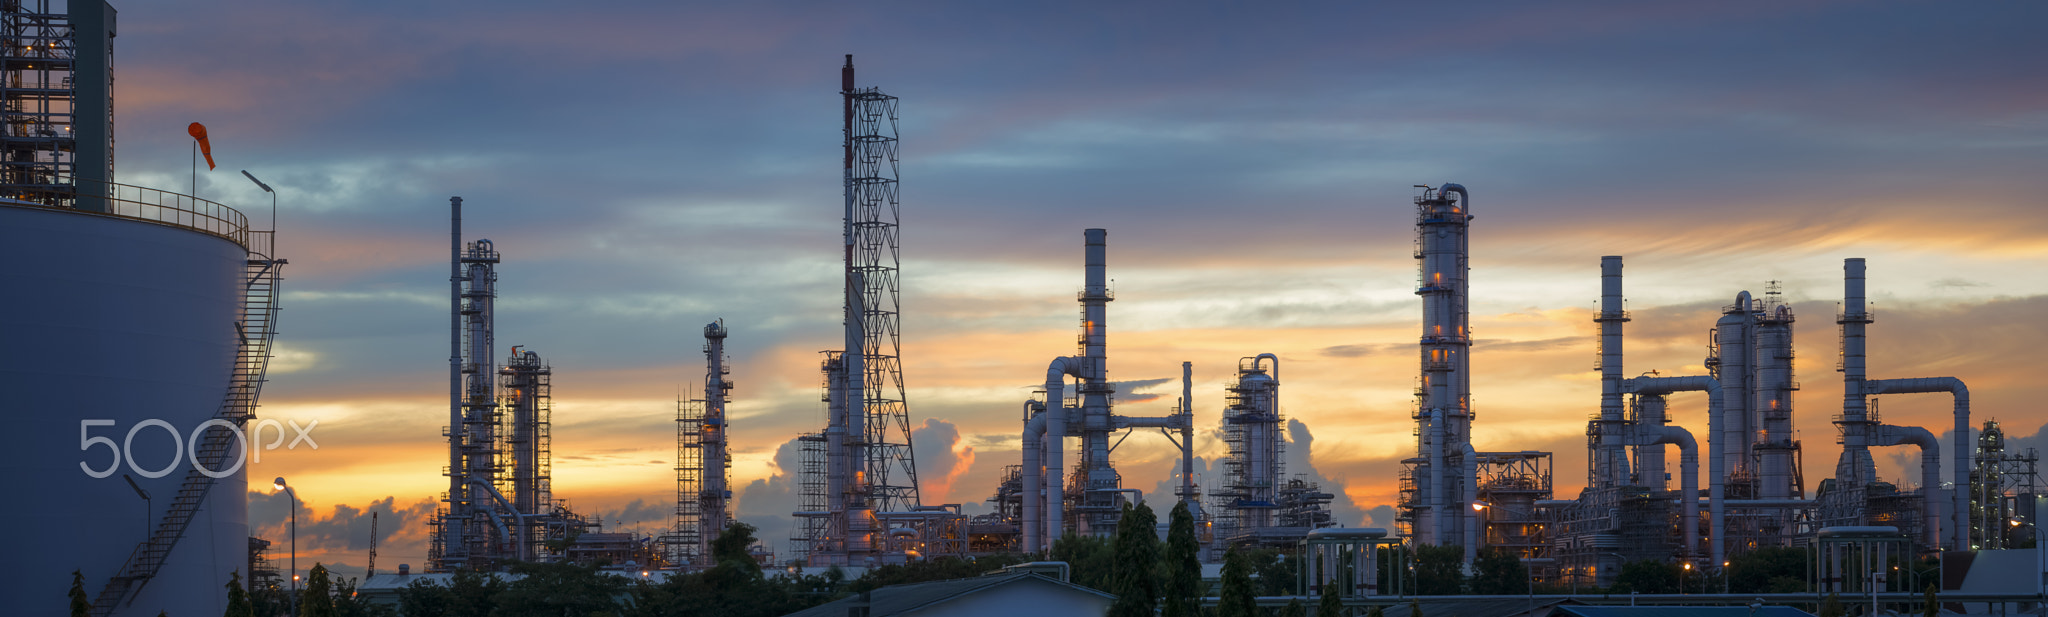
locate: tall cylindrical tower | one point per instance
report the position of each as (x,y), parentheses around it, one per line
(1443,412)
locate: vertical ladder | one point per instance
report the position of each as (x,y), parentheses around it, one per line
(217,447)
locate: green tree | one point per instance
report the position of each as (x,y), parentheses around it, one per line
(1381,612)
(1499,573)
(1090,561)
(1237,599)
(423,598)
(1647,576)
(238,598)
(1273,571)
(1414,608)
(348,603)
(730,548)
(1136,583)
(1931,606)
(1294,608)
(553,589)
(1768,570)
(1439,570)
(1332,604)
(1183,565)
(80,606)
(318,598)
(1832,607)
(471,594)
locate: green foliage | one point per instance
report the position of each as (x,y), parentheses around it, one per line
(80,606)
(1182,566)
(1761,570)
(1648,576)
(1089,560)
(1294,608)
(1136,581)
(1832,607)
(1499,573)
(1381,612)
(1931,606)
(1332,605)
(1276,571)
(1439,570)
(730,549)
(551,589)
(940,569)
(238,599)
(348,603)
(1414,608)
(317,600)
(1238,599)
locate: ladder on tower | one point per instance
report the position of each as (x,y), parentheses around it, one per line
(256,329)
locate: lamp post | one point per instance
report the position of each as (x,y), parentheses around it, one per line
(2041,564)
(294,496)
(148,505)
(1681,577)
(273,206)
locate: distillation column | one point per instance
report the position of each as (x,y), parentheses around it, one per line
(1251,428)
(473,409)
(526,385)
(1610,458)
(1444,411)
(712,440)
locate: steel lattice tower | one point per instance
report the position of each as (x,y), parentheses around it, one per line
(873,295)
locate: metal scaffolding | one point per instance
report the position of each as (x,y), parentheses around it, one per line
(57,90)
(527,403)
(1249,495)
(686,540)
(2004,487)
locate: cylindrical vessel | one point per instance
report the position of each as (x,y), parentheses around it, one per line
(121,339)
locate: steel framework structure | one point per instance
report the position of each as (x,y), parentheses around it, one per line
(874,296)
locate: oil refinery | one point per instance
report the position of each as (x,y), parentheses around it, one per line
(135,312)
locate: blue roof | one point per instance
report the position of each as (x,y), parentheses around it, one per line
(1678,611)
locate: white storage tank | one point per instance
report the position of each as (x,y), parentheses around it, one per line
(118,337)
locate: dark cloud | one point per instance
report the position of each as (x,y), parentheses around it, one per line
(1128,391)
(766,503)
(940,459)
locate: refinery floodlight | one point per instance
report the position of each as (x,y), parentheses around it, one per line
(279,483)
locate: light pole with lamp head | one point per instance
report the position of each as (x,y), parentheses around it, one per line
(295,540)
(273,206)
(2041,563)
(1681,577)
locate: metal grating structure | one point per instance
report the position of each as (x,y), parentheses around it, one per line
(874,296)
(686,541)
(1249,497)
(523,471)
(2003,488)
(56,105)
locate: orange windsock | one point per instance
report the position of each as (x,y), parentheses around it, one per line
(198,131)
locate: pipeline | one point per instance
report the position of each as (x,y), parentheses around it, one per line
(1055,442)
(1960,454)
(1696,383)
(1033,488)
(1930,471)
(1689,480)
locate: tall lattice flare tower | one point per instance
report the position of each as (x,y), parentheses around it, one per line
(873,298)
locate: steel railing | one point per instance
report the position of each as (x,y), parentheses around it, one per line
(144,204)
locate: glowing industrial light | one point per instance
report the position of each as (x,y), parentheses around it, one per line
(1688,566)
(1478,506)
(279,483)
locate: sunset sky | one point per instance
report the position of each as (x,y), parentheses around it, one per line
(647,168)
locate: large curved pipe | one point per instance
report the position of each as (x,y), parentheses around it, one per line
(1930,471)
(1689,481)
(1959,455)
(1033,475)
(1697,383)
(1055,442)
(1464,199)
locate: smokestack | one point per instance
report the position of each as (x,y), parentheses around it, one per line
(1611,462)
(1855,465)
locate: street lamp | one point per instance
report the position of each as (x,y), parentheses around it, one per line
(2041,557)
(1681,578)
(273,202)
(294,495)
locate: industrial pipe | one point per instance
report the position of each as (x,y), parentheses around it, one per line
(1697,383)
(1470,476)
(457,476)
(1055,442)
(1689,480)
(1959,455)
(1930,472)
(1033,488)
(1187,436)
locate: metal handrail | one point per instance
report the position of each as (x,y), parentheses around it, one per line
(144,204)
